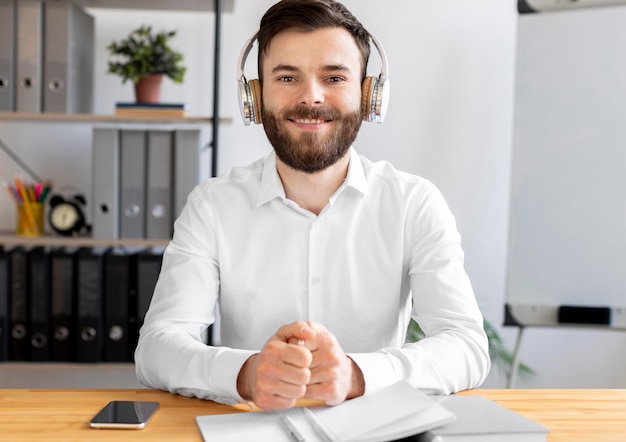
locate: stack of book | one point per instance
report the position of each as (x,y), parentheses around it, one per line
(173,110)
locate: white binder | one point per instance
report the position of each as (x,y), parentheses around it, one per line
(7,55)
(29,53)
(105,183)
(68,58)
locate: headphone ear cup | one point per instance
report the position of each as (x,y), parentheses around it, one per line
(255,91)
(374,99)
(246,102)
(380,99)
(367,87)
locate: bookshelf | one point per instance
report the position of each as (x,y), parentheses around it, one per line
(132,122)
(68,373)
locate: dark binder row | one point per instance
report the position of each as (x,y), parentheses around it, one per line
(82,305)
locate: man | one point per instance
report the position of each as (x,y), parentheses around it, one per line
(316,257)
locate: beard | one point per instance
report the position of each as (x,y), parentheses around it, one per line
(311,151)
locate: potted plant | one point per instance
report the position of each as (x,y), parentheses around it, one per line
(144,58)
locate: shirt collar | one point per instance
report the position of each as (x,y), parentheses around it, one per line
(356,173)
(272,187)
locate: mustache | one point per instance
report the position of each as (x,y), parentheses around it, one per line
(315,113)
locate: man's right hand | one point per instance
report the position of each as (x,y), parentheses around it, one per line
(278,375)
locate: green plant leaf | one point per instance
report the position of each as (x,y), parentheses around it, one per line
(143,53)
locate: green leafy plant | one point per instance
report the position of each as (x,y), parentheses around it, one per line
(500,356)
(143,53)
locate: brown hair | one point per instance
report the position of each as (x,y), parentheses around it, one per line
(308,16)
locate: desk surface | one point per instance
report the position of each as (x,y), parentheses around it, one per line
(63,414)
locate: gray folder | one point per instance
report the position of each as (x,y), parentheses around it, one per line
(159,222)
(186,166)
(67,58)
(29,53)
(7,55)
(133,184)
(105,176)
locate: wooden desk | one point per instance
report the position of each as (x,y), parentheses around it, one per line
(63,414)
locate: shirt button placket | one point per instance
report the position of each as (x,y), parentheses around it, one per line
(315,255)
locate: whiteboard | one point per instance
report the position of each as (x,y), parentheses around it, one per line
(567,238)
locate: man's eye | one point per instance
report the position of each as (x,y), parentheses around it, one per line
(335,79)
(285,79)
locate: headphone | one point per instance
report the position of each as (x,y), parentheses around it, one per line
(374,90)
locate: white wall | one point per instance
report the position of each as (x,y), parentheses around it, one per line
(452,66)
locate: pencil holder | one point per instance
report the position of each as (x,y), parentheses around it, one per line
(30,219)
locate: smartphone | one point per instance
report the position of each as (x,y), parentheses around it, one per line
(124,414)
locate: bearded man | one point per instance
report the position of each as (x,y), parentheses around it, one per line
(315,257)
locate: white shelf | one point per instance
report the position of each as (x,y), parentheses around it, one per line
(170,5)
(67,375)
(10,240)
(104,118)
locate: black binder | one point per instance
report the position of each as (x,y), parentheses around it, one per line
(4,304)
(63,320)
(119,284)
(89,305)
(148,269)
(39,290)
(19,346)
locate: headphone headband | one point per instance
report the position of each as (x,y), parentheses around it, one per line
(244,55)
(375,90)
(384,70)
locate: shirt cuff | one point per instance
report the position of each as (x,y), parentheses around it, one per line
(378,371)
(222,377)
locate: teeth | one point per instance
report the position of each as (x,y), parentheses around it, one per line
(307,121)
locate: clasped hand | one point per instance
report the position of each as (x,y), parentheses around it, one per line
(285,371)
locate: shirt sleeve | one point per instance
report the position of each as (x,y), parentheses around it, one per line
(172,353)
(454,355)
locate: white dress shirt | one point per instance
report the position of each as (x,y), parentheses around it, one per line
(384,248)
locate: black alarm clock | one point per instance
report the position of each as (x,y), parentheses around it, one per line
(67,216)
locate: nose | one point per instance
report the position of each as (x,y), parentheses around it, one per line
(312,93)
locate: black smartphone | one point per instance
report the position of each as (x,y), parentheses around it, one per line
(124,414)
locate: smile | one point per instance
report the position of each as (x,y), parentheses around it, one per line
(308,121)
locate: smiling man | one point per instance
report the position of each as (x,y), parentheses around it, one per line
(315,257)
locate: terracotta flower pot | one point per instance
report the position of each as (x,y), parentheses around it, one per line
(148,88)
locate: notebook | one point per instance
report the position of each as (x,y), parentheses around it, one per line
(391,413)
(482,420)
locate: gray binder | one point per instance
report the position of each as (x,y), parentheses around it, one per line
(159,223)
(105,183)
(68,58)
(133,184)
(186,166)
(29,52)
(7,55)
